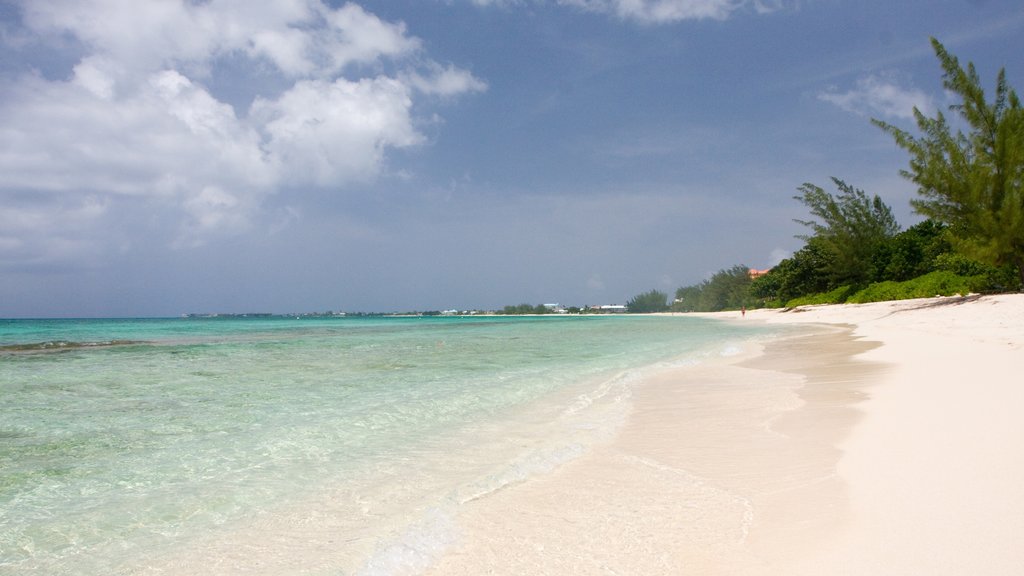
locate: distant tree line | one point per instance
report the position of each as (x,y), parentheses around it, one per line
(525,309)
(648,302)
(971,190)
(520,309)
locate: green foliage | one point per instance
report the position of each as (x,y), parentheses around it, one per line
(972,181)
(687,299)
(726,290)
(805,272)
(910,253)
(971,188)
(653,301)
(902,268)
(997,278)
(850,227)
(837,296)
(764,290)
(520,309)
(960,265)
(938,283)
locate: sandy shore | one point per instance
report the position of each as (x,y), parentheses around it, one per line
(887,439)
(935,469)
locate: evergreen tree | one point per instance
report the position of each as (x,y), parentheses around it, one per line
(972,181)
(803,273)
(851,229)
(911,253)
(653,301)
(726,289)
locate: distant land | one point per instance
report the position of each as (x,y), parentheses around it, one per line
(518,310)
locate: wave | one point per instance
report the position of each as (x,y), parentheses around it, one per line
(63,346)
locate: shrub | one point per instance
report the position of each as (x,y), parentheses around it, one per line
(997,278)
(837,296)
(938,283)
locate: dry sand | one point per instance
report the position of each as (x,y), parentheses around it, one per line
(888,439)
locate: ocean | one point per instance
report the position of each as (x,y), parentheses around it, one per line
(341,445)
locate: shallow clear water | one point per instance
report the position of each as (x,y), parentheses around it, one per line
(139,446)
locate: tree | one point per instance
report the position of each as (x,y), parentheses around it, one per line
(520,309)
(687,299)
(653,301)
(911,253)
(803,273)
(972,181)
(851,229)
(726,289)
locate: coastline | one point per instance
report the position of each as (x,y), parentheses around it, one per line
(936,465)
(883,439)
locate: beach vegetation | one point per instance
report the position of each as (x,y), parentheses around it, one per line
(996,278)
(903,265)
(849,227)
(803,273)
(648,302)
(520,309)
(911,253)
(687,299)
(938,283)
(727,289)
(971,180)
(835,296)
(970,177)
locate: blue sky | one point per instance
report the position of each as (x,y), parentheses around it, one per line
(163,156)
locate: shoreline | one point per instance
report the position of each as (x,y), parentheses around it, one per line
(699,480)
(935,468)
(883,440)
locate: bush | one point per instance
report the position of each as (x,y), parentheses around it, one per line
(837,296)
(1002,278)
(939,283)
(910,253)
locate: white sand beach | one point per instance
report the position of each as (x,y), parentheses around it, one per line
(889,439)
(935,469)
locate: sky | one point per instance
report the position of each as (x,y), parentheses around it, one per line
(161,157)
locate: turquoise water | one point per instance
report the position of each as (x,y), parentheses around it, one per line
(330,445)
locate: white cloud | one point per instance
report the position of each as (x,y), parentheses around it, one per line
(656,11)
(880,95)
(298,36)
(28,236)
(356,36)
(444,81)
(495,2)
(213,208)
(666,11)
(135,119)
(329,133)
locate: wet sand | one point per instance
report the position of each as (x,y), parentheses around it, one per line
(886,439)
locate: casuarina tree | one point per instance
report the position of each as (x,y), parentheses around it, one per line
(972,179)
(849,228)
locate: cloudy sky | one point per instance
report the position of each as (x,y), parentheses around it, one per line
(159,157)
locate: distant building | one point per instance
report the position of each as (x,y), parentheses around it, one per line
(755,274)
